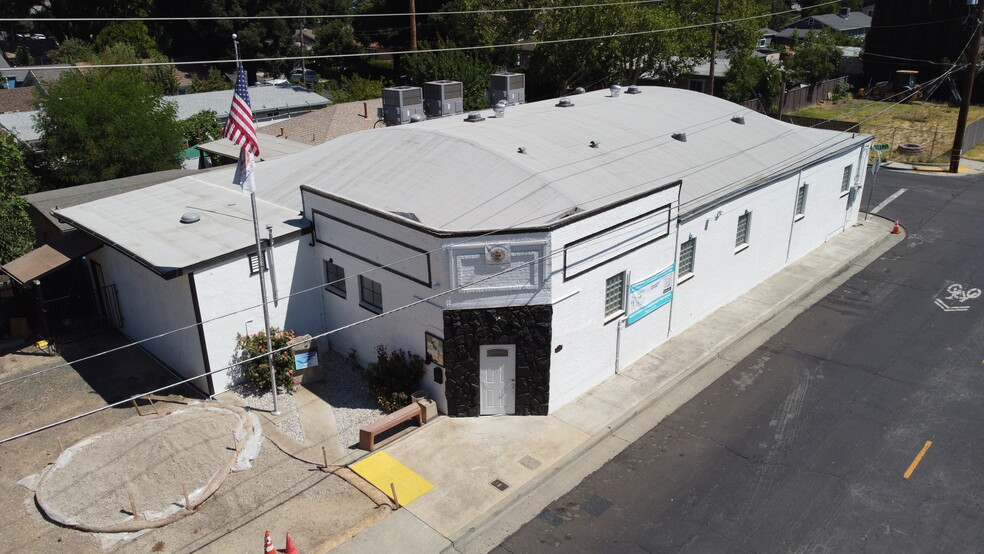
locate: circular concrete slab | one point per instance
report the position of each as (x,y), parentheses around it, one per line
(153,459)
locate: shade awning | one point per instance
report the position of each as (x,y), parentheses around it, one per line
(47,258)
(270,147)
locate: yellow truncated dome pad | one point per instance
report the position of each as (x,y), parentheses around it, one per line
(385,473)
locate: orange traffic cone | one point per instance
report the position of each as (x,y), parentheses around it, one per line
(896,230)
(291,549)
(267,544)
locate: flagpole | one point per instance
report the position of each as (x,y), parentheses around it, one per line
(260,259)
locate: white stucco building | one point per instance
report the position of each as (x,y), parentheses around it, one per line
(529,256)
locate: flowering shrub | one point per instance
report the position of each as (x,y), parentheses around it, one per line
(258,371)
(393,376)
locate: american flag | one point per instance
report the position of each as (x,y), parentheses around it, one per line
(240,127)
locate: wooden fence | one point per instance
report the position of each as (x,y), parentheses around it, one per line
(801,97)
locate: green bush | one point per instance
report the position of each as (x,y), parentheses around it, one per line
(258,371)
(393,377)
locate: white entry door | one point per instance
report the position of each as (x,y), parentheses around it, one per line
(498,378)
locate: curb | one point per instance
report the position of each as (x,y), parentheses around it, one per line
(495,525)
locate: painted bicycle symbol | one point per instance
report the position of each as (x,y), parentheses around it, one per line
(958,293)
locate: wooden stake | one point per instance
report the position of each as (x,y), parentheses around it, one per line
(133,505)
(152,405)
(396,499)
(61,447)
(135,407)
(324,454)
(184,489)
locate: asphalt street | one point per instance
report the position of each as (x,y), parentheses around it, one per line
(857,428)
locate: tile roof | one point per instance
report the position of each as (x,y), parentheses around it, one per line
(325,124)
(17,99)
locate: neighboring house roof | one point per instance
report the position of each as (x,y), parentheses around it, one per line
(264,98)
(721,66)
(325,124)
(19,99)
(270,147)
(20,125)
(527,169)
(837,22)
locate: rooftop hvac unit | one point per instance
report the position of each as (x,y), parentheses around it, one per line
(507,86)
(401,104)
(443,98)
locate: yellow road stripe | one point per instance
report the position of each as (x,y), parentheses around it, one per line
(919,456)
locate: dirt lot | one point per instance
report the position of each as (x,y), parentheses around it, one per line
(280,493)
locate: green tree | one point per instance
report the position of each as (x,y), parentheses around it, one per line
(22,56)
(16,231)
(216,80)
(132,33)
(456,65)
(815,59)
(201,127)
(751,77)
(107,123)
(334,38)
(629,40)
(162,77)
(72,50)
(354,88)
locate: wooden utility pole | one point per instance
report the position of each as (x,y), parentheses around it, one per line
(413,25)
(975,48)
(714,46)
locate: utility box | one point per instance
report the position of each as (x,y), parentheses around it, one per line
(401,105)
(443,98)
(507,86)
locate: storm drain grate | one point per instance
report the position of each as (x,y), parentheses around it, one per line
(529,462)
(499,484)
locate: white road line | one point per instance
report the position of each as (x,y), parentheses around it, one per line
(887,200)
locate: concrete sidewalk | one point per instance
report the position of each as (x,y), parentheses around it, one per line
(540,458)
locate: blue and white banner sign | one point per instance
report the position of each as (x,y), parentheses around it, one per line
(649,295)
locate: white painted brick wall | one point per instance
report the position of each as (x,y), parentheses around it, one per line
(150,306)
(228,287)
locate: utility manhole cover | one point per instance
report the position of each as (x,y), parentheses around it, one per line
(499,484)
(529,462)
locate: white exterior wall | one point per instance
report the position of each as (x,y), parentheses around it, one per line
(776,238)
(345,243)
(151,305)
(228,287)
(589,341)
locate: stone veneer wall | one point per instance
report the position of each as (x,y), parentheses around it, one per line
(528,327)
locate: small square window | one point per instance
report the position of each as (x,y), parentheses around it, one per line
(801,201)
(370,294)
(744,226)
(688,251)
(335,278)
(846,180)
(615,294)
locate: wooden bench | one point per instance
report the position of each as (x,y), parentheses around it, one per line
(367,434)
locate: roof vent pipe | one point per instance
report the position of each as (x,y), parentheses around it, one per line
(579,90)
(633,89)
(564,103)
(739,119)
(680,136)
(474,117)
(616,90)
(499,109)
